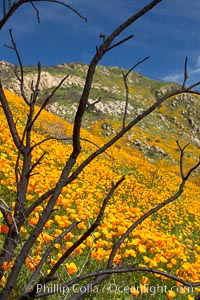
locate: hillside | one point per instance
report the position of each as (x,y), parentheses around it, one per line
(168,240)
(178,119)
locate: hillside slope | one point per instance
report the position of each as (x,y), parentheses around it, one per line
(167,240)
(177,119)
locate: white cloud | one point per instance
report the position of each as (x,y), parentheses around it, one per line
(174,77)
(193,74)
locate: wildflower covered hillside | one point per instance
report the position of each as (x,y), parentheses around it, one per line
(168,240)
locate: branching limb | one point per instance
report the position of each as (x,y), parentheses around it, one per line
(18,3)
(67,176)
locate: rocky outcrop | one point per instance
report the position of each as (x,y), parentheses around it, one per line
(114,107)
(47,81)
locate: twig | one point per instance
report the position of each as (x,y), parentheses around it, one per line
(91,105)
(185,74)
(36,163)
(181,158)
(36,89)
(120,42)
(65,5)
(4,7)
(37,11)
(21,78)
(125,76)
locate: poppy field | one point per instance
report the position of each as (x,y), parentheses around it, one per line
(168,240)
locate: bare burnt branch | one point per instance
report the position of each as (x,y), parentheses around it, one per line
(182,153)
(136,65)
(192,169)
(65,5)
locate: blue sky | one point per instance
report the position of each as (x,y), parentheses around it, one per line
(167,34)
